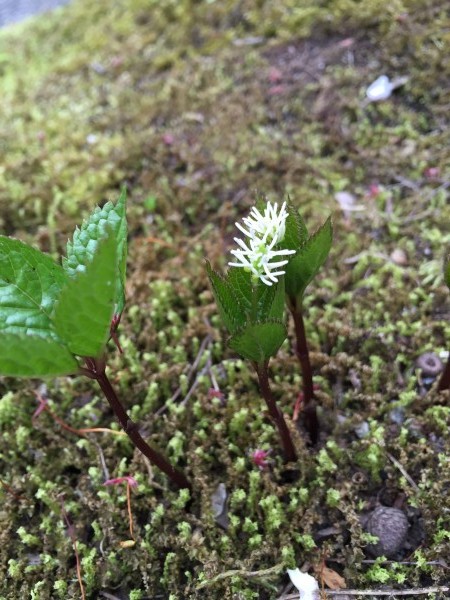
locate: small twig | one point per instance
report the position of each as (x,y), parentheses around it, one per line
(192,369)
(43,407)
(109,596)
(151,479)
(103,461)
(130,514)
(438,563)
(402,470)
(390,593)
(242,573)
(214,383)
(130,482)
(73,538)
(367,561)
(9,489)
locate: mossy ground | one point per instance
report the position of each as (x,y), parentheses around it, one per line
(196,107)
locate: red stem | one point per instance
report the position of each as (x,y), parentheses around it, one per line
(275,412)
(301,350)
(97,369)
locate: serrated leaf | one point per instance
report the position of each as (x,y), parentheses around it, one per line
(232,314)
(269,301)
(81,249)
(240,281)
(304,266)
(447,271)
(296,232)
(30,282)
(278,302)
(34,356)
(259,341)
(83,313)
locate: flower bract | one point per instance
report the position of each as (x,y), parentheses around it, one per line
(258,254)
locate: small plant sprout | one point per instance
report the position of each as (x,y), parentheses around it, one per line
(444,382)
(250,300)
(130,483)
(310,253)
(56,320)
(260,458)
(73,538)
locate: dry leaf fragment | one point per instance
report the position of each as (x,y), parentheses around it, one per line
(331,579)
(127,543)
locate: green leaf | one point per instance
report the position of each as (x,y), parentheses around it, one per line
(269,301)
(30,282)
(82,248)
(447,271)
(259,341)
(34,356)
(278,302)
(296,232)
(83,313)
(305,265)
(230,310)
(240,281)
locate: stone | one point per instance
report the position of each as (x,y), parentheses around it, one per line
(391,526)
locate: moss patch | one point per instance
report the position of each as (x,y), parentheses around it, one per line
(197,106)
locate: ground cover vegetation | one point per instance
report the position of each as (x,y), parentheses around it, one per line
(198,107)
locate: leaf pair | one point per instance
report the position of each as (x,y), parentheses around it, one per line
(49,314)
(252,313)
(311,253)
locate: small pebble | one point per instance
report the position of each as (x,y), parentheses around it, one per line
(430,364)
(391,526)
(399,257)
(362,430)
(218,500)
(397,415)
(219,505)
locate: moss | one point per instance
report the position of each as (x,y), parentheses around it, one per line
(196,106)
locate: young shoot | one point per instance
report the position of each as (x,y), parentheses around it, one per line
(56,320)
(250,300)
(310,253)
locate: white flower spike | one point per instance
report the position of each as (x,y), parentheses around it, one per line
(264,231)
(306,584)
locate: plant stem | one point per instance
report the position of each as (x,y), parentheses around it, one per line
(444,381)
(301,350)
(97,370)
(274,411)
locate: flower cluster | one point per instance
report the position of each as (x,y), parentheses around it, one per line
(264,233)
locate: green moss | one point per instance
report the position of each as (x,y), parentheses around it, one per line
(196,106)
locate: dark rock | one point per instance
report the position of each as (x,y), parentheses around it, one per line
(430,364)
(397,415)
(391,526)
(219,505)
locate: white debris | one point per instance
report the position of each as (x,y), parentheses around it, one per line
(382,88)
(306,584)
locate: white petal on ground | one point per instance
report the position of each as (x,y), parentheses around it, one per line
(380,89)
(306,584)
